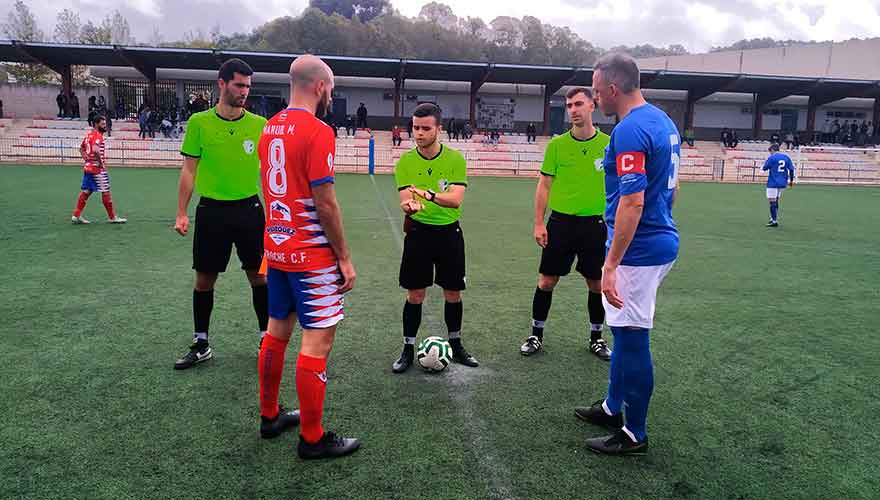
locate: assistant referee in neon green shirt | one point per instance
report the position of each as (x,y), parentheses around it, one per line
(572,183)
(221,160)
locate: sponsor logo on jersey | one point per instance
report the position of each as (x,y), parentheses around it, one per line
(279,238)
(281,229)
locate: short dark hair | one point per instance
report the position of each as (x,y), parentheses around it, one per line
(98,118)
(774,147)
(232,66)
(619,69)
(426,109)
(579,90)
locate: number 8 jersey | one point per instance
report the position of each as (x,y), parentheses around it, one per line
(296,154)
(643,156)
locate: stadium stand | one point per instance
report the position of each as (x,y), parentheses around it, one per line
(46,140)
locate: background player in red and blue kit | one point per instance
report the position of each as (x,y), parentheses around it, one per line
(641,182)
(780,173)
(309,264)
(95,176)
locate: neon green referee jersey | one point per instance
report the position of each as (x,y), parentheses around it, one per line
(229,166)
(578,177)
(448,168)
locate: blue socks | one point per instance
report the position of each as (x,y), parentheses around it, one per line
(631,378)
(774,210)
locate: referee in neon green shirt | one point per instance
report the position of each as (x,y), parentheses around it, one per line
(221,160)
(431,180)
(572,183)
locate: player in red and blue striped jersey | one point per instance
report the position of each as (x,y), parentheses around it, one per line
(95,176)
(780,174)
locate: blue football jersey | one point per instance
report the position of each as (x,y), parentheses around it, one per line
(780,169)
(644,155)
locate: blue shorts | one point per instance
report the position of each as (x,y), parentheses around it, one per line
(313,295)
(96,182)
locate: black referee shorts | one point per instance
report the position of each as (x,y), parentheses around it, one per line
(220,224)
(570,236)
(429,248)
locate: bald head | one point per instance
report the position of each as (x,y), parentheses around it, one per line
(308,70)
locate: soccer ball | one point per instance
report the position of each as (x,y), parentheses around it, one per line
(434,354)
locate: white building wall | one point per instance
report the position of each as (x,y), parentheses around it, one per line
(27,101)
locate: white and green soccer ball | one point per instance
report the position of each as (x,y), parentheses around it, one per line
(434,354)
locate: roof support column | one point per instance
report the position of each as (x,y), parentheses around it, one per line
(475,87)
(876,115)
(757,116)
(548,93)
(811,118)
(398,83)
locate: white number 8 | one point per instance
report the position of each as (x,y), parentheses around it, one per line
(276,175)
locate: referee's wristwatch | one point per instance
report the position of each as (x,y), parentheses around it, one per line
(431,195)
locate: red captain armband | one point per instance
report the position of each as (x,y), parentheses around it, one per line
(631,163)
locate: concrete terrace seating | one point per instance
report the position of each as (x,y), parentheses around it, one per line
(57,141)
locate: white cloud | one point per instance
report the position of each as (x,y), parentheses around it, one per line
(696,24)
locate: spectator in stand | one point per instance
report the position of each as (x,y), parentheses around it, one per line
(468,131)
(456,129)
(531,132)
(725,137)
(409,128)
(93,110)
(774,138)
(349,126)
(143,119)
(396,138)
(853,130)
(870,131)
(102,103)
(61,101)
(120,109)
(495,137)
(486,138)
(74,106)
(789,139)
(1,108)
(450,127)
(362,116)
(734,140)
(843,132)
(689,136)
(826,130)
(835,131)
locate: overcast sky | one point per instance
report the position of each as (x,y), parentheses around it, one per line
(696,24)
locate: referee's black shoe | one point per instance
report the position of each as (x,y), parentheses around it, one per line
(274,427)
(405,360)
(595,414)
(600,349)
(618,443)
(199,352)
(462,357)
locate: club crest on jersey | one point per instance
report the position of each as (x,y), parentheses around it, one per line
(598,164)
(248,146)
(443,184)
(330,161)
(279,238)
(279,211)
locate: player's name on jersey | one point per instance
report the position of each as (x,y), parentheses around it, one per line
(288,258)
(279,129)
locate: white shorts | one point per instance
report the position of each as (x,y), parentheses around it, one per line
(637,286)
(774,193)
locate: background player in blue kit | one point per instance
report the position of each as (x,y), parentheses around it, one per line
(641,182)
(780,173)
